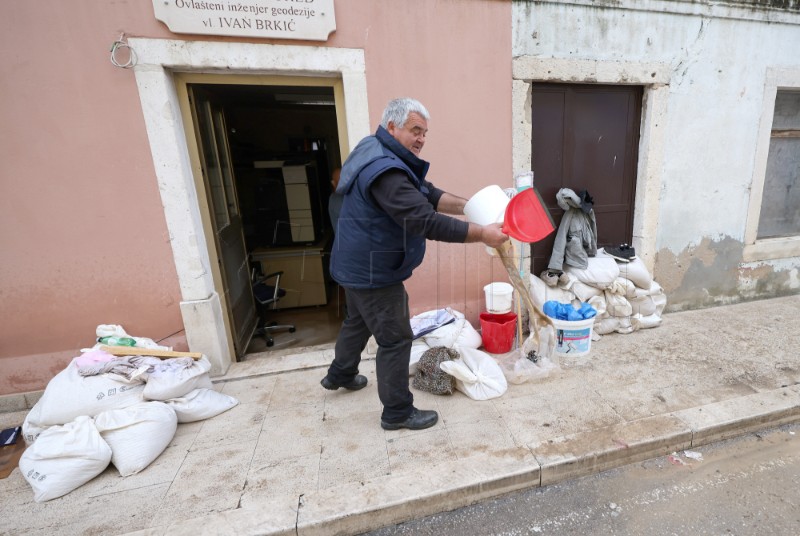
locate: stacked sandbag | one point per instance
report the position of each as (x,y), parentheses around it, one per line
(624,293)
(137,434)
(103,408)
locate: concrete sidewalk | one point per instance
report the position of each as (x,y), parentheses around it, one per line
(292,458)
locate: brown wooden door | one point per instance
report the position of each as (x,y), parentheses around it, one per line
(586,137)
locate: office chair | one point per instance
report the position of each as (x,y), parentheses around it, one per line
(267,297)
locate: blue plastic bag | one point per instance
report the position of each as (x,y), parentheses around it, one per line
(566,311)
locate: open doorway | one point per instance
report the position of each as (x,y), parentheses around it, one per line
(282,145)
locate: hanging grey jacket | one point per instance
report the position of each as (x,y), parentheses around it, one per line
(576,239)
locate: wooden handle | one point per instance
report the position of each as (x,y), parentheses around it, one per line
(163,354)
(506,253)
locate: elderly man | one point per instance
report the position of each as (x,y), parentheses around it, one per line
(388,213)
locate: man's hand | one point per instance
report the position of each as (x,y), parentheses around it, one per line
(492,235)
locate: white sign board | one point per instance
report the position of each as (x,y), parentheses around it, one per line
(281,19)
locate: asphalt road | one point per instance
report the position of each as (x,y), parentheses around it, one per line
(745,486)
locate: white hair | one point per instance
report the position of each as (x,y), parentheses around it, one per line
(398,109)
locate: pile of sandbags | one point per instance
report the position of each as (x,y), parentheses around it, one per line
(624,293)
(105,409)
(474,372)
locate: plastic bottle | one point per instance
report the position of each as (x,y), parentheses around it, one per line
(117,341)
(523,181)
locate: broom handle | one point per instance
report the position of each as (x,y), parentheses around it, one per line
(506,254)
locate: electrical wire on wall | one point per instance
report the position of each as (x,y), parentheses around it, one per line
(121,44)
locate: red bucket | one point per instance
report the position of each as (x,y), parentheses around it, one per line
(497,332)
(527,218)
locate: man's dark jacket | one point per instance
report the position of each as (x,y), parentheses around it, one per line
(371,250)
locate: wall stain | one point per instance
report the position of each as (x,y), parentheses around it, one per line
(713,273)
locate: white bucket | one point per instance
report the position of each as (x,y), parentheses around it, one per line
(487,206)
(498,297)
(573,338)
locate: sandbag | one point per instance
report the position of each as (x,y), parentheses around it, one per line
(584,292)
(644,305)
(645,321)
(617,305)
(167,381)
(600,273)
(459,333)
(624,287)
(477,375)
(31,427)
(636,271)
(541,293)
(201,404)
(64,458)
(604,326)
(69,395)
(137,434)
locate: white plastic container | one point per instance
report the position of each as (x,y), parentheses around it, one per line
(573,338)
(487,206)
(498,297)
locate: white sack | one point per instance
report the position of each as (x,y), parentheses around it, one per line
(625,287)
(418,347)
(69,395)
(584,292)
(617,305)
(625,325)
(636,271)
(459,333)
(201,404)
(644,306)
(654,289)
(64,458)
(166,383)
(541,293)
(644,322)
(477,375)
(31,427)
(137,434)
(660,301)
(600,305)
(604,326)
(600,273)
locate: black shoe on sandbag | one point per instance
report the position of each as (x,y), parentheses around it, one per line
(623,253)
(418,420)
(359,382)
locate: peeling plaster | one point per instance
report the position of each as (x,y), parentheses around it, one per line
(713,273)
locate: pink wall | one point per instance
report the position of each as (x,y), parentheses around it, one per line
(82,231)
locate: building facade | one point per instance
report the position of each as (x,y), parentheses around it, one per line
(116,125)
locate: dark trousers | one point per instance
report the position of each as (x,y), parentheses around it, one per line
(382,312)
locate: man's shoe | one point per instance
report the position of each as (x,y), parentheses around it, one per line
(359,382)
(418,420)
(623,253)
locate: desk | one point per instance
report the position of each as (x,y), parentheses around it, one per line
(303,276)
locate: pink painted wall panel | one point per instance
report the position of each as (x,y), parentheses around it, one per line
(83,238)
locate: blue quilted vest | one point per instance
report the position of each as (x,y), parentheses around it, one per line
(371,250)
